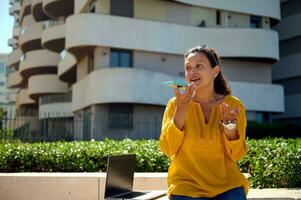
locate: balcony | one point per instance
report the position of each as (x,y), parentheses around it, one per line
(39,62)
(255,7)
(58,98)
(25,9)
(58,8)
(66,67)
(121,32)
(37,10)
(14,9)
(12,42)
(28,20)
(30,37)
(126,85)
(23,98)
(11,97)
(16,32)
(40,85)
(14,57)
(59,104)
(53,37)
(15,80)
(272,96)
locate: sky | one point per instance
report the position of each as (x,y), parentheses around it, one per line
(6,26)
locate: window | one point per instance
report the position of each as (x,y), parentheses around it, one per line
(121,58)
(256,21)
(1,83)
(23,57)
(120,116)
(24,30)
(218,17)
(2,68)
(182,74)
(92,7)
(63,54)
(90,62)
(122,8)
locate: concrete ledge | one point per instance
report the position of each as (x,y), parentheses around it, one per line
(276,194)
(90,186)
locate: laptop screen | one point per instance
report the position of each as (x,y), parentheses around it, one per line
(120,174)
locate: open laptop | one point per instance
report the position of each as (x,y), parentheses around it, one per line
(120,179)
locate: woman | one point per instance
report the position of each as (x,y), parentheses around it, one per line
(203,133)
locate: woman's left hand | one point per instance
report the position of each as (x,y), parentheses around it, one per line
(228,112)
(229,121)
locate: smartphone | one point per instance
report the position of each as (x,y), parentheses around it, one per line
(176,84)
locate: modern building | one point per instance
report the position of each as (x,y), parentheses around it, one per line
(7,97)
(111,56)
(288,70)
(3,77)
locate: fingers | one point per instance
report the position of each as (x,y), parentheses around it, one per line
(228,112)
(177,92)
(188,90)
(191,91)
(188,93)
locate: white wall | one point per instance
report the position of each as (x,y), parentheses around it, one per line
(130,86)
(121,32)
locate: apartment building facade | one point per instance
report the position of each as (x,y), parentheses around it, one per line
(287,71)
(3,90)
(113,55)
(7,97)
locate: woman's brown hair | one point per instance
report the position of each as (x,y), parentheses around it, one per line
(220,82)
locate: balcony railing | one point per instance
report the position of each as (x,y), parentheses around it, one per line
(59,98)
(51,23)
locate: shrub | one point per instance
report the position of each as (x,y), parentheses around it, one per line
(78,156)
(272,163)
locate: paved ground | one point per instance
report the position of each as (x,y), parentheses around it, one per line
(269,194)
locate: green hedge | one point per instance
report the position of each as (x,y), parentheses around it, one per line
(273,163)
(270,162)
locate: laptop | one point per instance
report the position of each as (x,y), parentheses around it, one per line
(120,179)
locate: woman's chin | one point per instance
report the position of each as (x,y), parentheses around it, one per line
(197,83)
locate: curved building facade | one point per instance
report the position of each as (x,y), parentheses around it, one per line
(33,67)
(114,54)
(287,71)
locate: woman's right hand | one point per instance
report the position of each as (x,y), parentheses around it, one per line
(182,102)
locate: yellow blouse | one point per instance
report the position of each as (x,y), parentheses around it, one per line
(203,160)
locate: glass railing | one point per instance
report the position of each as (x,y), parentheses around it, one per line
(51,23)
(58,98)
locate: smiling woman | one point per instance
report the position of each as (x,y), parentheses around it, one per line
(203,128)
(6,22)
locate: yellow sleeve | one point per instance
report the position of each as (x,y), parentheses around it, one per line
(235,149)
(171,137)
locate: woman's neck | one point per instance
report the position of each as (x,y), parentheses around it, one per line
(205,96)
